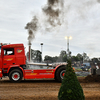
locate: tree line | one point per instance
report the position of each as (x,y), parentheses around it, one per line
(36,56)
(63,57)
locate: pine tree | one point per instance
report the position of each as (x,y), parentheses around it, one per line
(70,88)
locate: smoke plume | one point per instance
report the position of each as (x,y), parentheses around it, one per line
(98,1)
(32,28)
(57,13)
(53,11)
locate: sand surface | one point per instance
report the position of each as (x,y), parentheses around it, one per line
(43,89)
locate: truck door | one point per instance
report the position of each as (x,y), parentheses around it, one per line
(8,57)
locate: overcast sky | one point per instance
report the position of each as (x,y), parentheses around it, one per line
(81,20)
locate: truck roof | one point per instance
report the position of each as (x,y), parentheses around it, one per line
(12,45)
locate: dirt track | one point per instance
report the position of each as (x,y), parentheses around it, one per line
(42,90)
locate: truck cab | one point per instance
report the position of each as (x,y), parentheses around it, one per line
(12,55)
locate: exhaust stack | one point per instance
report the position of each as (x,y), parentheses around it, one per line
(30,51)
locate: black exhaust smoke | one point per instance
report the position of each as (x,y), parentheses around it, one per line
(32,28)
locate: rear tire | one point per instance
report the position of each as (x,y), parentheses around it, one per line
(15,75)
(60,73)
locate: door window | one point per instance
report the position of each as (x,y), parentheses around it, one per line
(9,51)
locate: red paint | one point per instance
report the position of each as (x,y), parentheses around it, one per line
(63,74)
(15,76)
(13,58)
(1,73)
(12,55)
(39,74)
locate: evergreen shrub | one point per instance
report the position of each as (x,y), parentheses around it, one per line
(70,88)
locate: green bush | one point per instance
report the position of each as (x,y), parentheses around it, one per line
(70,88)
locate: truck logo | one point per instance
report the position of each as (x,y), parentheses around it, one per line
(9,59)
(19,51)
(49,71)
(31,73)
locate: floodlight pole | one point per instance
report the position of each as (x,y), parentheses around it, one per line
(41,50)
(67,38)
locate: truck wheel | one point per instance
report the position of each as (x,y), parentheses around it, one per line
(60,74)
(15,75)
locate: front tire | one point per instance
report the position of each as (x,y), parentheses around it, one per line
(15,75)
(60,73)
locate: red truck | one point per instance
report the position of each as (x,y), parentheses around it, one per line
(13,64)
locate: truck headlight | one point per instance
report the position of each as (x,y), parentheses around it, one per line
(0,71)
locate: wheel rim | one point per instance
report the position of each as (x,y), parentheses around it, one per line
(62,74)
(15,76)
